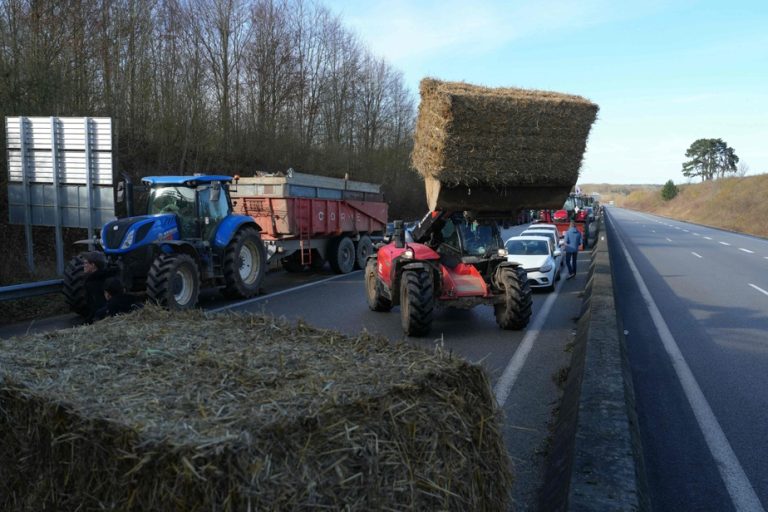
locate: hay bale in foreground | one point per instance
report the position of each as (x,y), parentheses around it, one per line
(180,411)
(470,136)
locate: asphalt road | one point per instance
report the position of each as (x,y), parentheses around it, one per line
(522,366)
(693,304)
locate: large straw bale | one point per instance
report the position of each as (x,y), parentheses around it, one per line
(499,137)
(163,410)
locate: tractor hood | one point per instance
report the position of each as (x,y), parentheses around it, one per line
(124,235)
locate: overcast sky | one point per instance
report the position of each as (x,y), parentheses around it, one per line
(664,73)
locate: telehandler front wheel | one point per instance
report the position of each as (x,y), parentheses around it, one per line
(174,281)
(515,312)
(376,300)
(417,302)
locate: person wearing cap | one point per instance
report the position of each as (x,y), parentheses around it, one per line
(116,300)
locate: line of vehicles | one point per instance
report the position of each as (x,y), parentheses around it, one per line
(217,231)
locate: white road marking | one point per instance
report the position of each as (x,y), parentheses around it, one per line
(747,251)
(669,239)
(708,237)
(724,243)
(515,365)
(697,255)
(281,292)
(686,231)
(758,289)
(735,479)
(696,234)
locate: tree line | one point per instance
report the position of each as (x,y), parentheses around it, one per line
(233,86)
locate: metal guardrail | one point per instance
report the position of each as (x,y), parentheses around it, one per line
(27,290)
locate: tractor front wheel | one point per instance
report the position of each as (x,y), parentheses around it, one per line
(244,264)
(515,312)
(417,302)
(74,287)
(174,281)
(376,300)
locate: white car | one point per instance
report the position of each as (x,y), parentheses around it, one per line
(534,254)
(557,253)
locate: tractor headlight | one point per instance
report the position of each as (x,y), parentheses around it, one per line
(408,254)
(546,268)
(503,253)
(128,240)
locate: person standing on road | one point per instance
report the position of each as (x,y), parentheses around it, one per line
(572,242)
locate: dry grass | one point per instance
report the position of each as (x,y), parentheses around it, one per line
(188,411)
(737,204)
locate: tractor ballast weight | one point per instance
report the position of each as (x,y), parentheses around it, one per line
(189,239)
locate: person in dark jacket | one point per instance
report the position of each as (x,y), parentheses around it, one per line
(117,301)
(96,273)
(572,242)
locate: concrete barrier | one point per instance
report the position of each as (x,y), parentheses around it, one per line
(595,461)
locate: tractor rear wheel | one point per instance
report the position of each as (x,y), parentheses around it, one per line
(515,312)
(244,264)
(417,302)
(342,255)
(74,287)
(363,249)
(174,281)
(376,300)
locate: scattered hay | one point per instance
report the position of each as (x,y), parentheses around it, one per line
(184,411)
(468,135)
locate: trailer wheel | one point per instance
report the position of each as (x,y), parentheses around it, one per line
(174,281)
(244,264)
(416,302)
(342,255)
(376,300)
(74,287)
(515,312)
(363,250)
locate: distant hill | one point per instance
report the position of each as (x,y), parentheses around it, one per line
(736,204)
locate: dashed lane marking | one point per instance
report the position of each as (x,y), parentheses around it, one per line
(758,288)
(746,250)
(697,255)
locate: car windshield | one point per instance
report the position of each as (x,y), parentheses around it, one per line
(527,247)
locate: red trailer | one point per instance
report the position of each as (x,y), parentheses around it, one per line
(307,220)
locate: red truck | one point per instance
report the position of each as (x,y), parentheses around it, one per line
(307,220)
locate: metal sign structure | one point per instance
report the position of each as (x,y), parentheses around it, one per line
(59,174)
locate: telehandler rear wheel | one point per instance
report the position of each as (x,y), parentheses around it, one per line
(244,264)
(515,312)
(417,302)
(174,281)
(376,300)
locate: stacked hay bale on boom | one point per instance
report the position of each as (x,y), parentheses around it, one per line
(184,411)
(497,150)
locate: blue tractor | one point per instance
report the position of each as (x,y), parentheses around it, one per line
(188,239)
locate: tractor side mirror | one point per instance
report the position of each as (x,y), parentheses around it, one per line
(399,234)
(121,192)
(215,191)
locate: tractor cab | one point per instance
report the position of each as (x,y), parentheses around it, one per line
(200,203)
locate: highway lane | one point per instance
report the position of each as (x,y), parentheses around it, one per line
(703,411)
(528,398)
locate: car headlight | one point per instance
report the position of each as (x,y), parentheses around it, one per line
(408,254)
(503,253)
(128,240)
(546,268)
